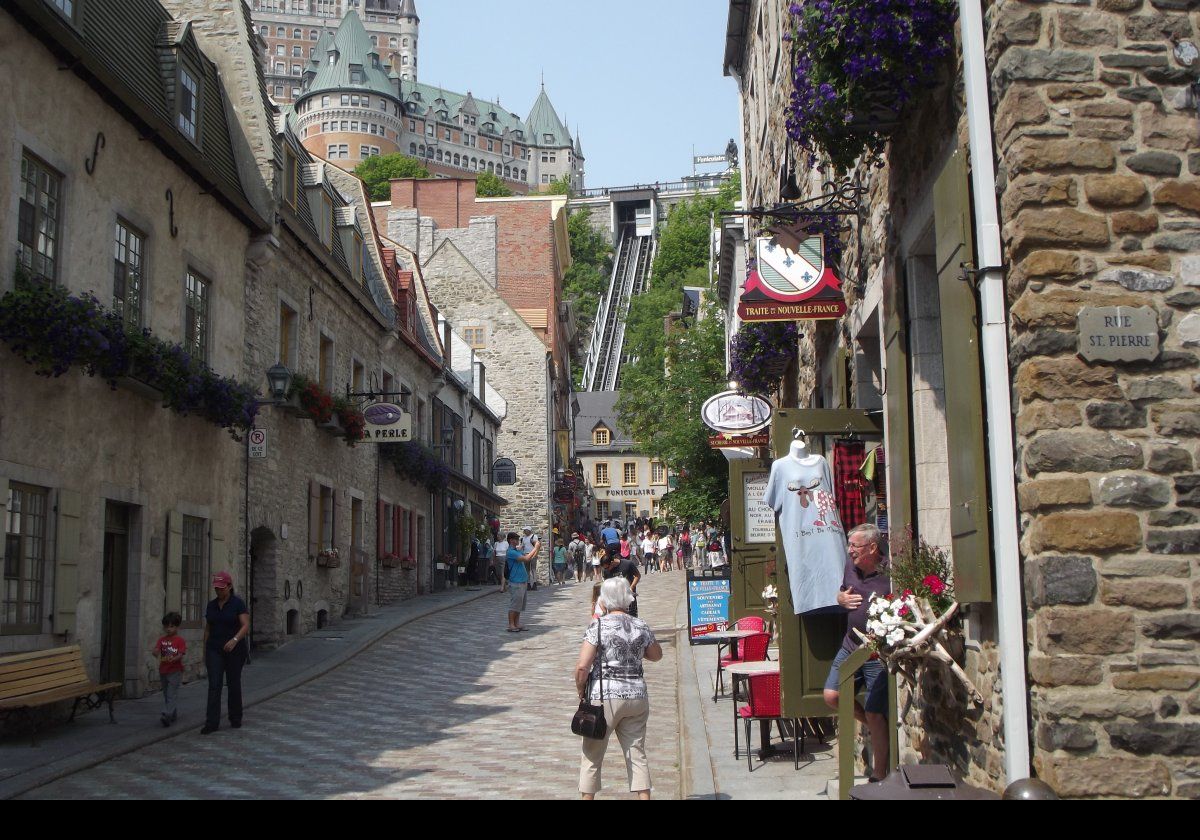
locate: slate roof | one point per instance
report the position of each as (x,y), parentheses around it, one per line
(408,8)
(599,407)
(130,52)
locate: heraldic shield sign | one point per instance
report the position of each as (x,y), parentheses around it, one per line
(791,285)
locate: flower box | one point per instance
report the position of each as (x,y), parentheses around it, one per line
(329,559)
(408,563)
(136,386)
(293,407)
(332,428)
(390,561)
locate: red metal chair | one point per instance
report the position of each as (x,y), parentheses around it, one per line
(765,705)
(750,649)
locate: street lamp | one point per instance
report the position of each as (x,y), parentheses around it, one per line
(279,380)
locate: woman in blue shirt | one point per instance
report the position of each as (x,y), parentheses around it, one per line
(226,626)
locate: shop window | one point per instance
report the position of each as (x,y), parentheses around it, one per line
(24,559)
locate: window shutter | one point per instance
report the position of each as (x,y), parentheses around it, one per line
(314,519)
(3,517)
(66,559)
(414,550)
(969,520)
(218,553)
(380,532)
(174,579)
(398,517)
(898,446)
(839,379)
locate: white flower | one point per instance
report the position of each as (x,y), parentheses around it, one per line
(770,593)
(895,636)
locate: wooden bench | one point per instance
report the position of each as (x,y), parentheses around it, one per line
(44,677)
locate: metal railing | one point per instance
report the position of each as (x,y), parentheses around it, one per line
(688,185)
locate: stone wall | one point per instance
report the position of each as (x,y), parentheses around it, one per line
(516,367)
(1097,138)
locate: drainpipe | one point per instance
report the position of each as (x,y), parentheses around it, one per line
(997,385)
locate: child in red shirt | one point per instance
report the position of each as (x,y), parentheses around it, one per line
(170,650)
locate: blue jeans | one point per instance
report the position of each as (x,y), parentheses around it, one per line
(872,675)
(224,668)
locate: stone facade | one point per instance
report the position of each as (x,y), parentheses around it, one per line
(1094,137)
(113,468)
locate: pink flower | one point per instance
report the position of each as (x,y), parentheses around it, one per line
(935,584)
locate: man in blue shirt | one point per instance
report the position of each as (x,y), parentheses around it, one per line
(516,579)
(612,539)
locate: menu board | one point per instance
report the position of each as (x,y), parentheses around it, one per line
(760,519)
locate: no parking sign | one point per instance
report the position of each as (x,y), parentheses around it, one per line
(258,443)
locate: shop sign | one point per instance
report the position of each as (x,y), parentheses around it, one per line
(564,496)
(731,413)
(504,472)
(707,606)
(570,481)
(1118,333)
(791,285)
(387,423)
(739,441)
(698,159)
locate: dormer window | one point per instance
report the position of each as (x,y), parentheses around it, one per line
(66,8)
(601,436)
(188,98)
(548,138)
(356,74)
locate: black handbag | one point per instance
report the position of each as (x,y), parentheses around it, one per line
(589,719)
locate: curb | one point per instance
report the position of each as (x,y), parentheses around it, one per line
(37,777)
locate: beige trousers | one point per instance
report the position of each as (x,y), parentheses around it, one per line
(626,718)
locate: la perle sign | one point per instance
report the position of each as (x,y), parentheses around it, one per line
(387,423)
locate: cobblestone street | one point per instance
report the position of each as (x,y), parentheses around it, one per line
(448,706)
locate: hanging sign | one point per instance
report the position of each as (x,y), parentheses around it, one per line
(564,496)
(732,413)
(387,423)
(504,472)
(791,285)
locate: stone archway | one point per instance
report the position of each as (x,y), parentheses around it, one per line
(264,588)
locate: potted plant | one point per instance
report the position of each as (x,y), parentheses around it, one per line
(856,63)
(329,558)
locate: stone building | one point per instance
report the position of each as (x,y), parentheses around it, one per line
(136,188)
(619,482)
(1089,561)
(352,104)
(494,267)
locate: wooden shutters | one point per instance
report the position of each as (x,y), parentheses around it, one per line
(380,524)
(174,577)
(969,516)
(314,519)
(66,560)
(896,395)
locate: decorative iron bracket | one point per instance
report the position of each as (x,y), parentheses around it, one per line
(838,198)
(375,392)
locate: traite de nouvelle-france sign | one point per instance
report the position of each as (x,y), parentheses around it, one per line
(789,285)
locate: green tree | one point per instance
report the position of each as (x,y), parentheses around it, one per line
(377,170)
(557,186)
(489,185)
(672,374)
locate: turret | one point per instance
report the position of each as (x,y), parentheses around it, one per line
(405,56)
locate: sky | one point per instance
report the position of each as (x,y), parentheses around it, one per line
(642,80)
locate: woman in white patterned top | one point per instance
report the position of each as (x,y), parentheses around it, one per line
(622,642)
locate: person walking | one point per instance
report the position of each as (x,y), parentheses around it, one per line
(614,566)
(609,671)
(226,625)
(559,563)
(170,650)
(666,550)
(649,554)
(575,552)
(516,579)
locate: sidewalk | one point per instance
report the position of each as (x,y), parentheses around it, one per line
(706,741)
(66,748)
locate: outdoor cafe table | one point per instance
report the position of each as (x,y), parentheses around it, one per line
(745,670)
(724,637)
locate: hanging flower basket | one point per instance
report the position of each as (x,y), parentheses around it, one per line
(857,63)
(417,463)
(760,353)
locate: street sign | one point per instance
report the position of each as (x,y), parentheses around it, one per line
(258,443)
(504,472)
(387,423)
(709,159)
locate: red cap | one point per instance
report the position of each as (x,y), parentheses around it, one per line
(222,579)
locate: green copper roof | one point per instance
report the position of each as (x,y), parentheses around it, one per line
(543,121)
(351,47)
(429,94)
